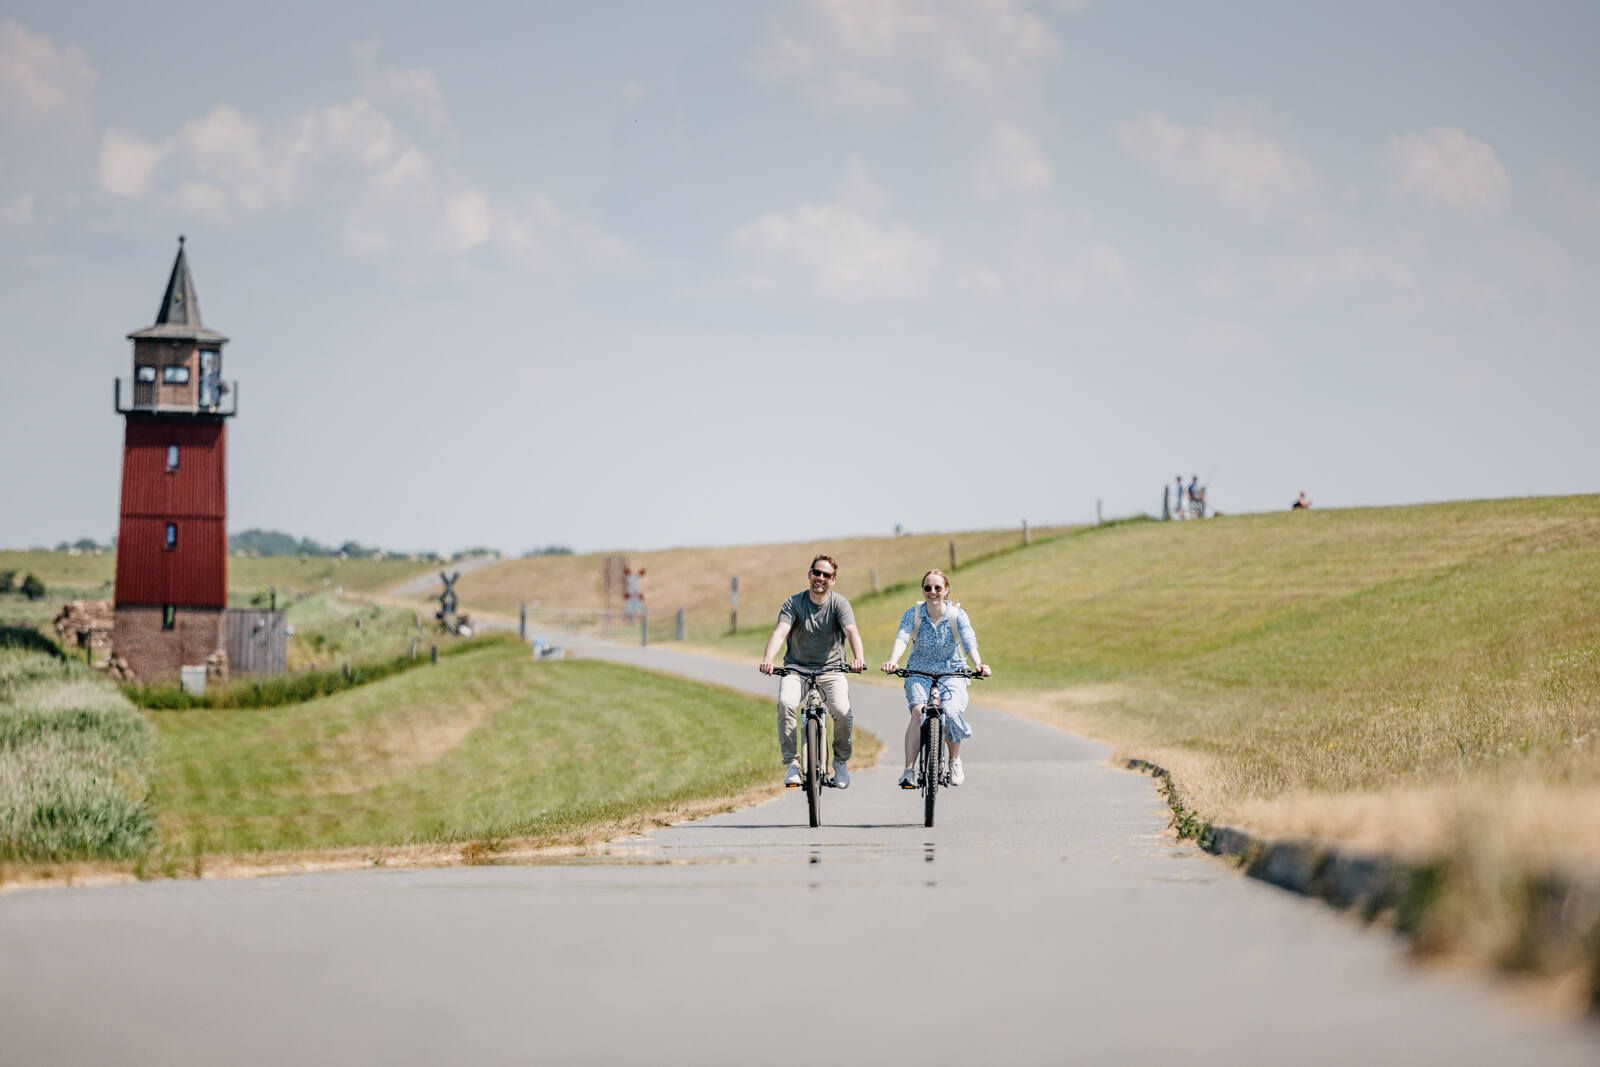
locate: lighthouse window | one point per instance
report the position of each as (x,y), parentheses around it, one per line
(145,372)
(172,535)
(172,457)
(175,375)
(169,616)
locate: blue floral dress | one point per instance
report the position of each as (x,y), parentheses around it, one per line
(937,650)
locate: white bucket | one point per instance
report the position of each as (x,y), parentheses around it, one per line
(194,680)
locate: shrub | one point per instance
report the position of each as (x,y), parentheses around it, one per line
(33,588)
(20,637)
(8,581)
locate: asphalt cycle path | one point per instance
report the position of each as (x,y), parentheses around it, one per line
(1048,918)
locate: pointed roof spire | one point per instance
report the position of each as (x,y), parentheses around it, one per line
(179,317)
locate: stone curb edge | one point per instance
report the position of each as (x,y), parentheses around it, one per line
(1561,927)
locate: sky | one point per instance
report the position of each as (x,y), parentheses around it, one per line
(639,275)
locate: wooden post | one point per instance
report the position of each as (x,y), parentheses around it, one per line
(681,626)
(522,621)
(1099,520)
(1027,539)
(952,553)
(433,655)
(733,602)
(644,625)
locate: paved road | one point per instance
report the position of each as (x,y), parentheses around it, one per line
(1047,919)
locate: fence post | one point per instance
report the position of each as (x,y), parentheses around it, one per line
(681,627)
(1099,520)
(522,622)
(1027,538)
(433,655)
(644,625)
(952,553)
(733,601)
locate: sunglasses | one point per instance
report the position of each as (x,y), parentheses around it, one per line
(933,589)
(820,574)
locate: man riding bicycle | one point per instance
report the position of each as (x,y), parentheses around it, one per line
(816,623)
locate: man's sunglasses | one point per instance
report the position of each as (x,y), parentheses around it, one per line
(820,574)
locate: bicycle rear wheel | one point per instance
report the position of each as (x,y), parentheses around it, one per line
(813,769)
(932,762)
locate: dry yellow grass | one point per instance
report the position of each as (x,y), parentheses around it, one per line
(697,579)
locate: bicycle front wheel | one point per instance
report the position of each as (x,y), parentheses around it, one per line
(932,764)
(814,769)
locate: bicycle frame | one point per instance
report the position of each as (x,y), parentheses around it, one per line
(933,764)
(816,768)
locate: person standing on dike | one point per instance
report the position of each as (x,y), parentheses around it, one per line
(937,630)
(816,623)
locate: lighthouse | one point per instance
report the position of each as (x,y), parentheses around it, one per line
(172,545)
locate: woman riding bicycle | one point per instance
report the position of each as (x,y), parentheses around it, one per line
(937,630)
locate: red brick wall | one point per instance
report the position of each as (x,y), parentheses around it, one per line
(156,654)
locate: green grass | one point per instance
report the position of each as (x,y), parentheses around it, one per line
(67,576)
(331,630)
(75,761)
(488,745)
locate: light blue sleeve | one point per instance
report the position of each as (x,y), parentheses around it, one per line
(969,637)
(904,633)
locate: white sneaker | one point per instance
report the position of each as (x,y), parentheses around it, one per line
(791,776)
(908,780)
(841,774)
(957,775)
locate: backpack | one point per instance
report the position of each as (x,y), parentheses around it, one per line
(952,612)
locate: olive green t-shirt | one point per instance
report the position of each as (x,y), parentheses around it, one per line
(816,634)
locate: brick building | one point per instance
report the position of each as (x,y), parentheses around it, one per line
(172,545)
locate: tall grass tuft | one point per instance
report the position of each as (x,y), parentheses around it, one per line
(76,763)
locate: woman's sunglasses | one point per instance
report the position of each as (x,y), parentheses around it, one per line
(931,588)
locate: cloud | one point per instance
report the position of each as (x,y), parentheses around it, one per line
(843,248)
(20,212)
(867,59)
(1098,268)
(40,82)
(468,220)
(415,90)
(1228,162)
(1447,168)
(1013,164)
(126,163)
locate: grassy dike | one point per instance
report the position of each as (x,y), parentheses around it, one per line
(486,753)
(1422,681)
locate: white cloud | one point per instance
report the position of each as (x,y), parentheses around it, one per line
(1098,268)
(20,212)
(1229,162)
(1339,267)
(632,93)
(126,163)
(865,59)
(40,82)
(1447,168)
(416,90)
(843,248)
(468,220)
(1013,164)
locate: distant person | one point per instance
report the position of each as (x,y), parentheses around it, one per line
(1301,503)
(816,622)
(1177,495)
(1197,498)
(937,631)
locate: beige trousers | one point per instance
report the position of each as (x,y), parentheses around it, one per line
(835,694)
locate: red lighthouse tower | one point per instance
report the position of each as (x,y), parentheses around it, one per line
(172,544)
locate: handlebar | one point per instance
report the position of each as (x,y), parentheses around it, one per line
(903,672)
(805,673)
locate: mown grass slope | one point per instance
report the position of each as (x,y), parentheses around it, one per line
(487,745)
(1398,676)
(697,579)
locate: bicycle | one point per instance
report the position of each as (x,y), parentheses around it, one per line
(933,768)
(814,754)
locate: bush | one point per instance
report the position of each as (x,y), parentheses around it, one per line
(21,637)
(33,588)
(8,581)
(289,688)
